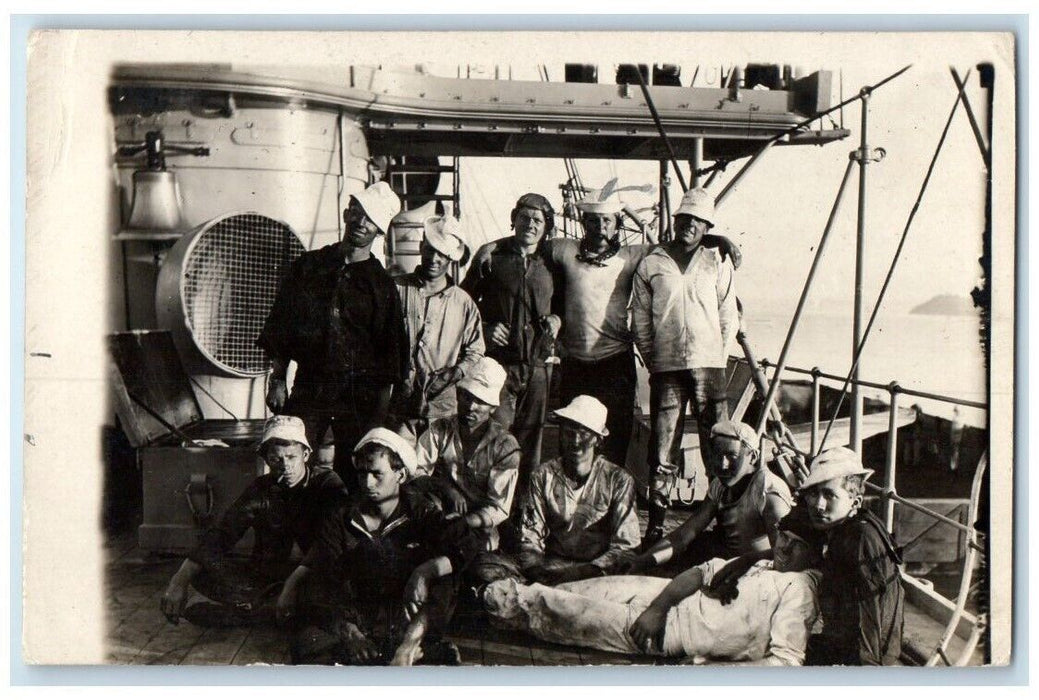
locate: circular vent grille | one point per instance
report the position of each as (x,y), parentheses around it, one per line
(227,275)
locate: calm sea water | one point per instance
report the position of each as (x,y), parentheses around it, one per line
(936,354)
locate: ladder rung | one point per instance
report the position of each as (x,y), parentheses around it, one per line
(425,170)
(436,197)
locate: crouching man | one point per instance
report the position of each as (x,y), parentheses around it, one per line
(283,507)
(861,594)
(766,623)
(473,464)
(579,516)
(378,582)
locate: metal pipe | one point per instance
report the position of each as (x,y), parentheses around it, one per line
(875,385)
(743,171)
(923,509)
(982,146)
(891,268)
(815,409)
(696,162)
(796,321)
(860,254)
(660,128)
(889,465)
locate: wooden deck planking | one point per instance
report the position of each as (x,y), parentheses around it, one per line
(170,644)
(136,631)
(265,644)
(216,647)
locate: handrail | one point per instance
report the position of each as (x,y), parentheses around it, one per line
(816,372)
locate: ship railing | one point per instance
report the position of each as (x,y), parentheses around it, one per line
(970,627)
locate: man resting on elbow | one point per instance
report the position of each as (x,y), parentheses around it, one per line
(767,622)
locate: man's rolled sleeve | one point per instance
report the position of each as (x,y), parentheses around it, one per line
(501,482)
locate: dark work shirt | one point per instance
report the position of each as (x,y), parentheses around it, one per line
(279,517)
(516,289)
(861,596)
(375,566)
(341,322)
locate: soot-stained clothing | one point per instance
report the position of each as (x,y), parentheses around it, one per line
(279,517)
(593,522)
(343,325)
(515,289)
(769,619)
(861,596)
(741,520)
(444,332)
(486,476)
(372,568)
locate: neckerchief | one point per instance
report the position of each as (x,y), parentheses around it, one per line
(599,259)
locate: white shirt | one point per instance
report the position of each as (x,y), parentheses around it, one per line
(684,319)
(772,616)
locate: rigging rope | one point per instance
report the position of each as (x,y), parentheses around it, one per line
(894,263)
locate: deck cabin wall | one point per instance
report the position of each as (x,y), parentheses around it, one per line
(281,162)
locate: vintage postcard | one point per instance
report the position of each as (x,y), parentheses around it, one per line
(510,348)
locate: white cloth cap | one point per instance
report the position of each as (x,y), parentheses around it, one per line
(587,411)
(485,381)
(380,203)
(284,428)
(444,233)
(602,201)
(400,446)
(737,431)
(697,203)
(833,463)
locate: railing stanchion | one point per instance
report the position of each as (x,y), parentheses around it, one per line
(815,409)
(892,454)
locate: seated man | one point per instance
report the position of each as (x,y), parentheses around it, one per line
(861,595)
(744,499)
(579,516)
(378,577)
(282,507)
(766,623)
(473,459)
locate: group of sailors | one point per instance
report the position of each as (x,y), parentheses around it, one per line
(406,464)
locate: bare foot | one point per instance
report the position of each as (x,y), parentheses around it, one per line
(407,654)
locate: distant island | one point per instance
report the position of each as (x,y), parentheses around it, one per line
(947,305)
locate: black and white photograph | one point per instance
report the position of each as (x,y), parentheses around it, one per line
(472,348)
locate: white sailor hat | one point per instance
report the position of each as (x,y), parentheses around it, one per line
(485,381)
(833,463)
(737,431)
(699,204)
(392,441)
(602,201)
(380,203)
(284,428)
(587,411)
(444,233)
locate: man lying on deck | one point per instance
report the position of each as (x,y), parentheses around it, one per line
(767,622)
(377,585)
(282,508)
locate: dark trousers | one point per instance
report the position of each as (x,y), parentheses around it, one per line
(524,401)
(333,432)
(703,388)
(612,381)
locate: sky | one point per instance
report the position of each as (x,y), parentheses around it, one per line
(779,210)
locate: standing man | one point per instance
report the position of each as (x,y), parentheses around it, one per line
(443,325)
(685,319)
(512,285)
(337,314)
(595,277)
